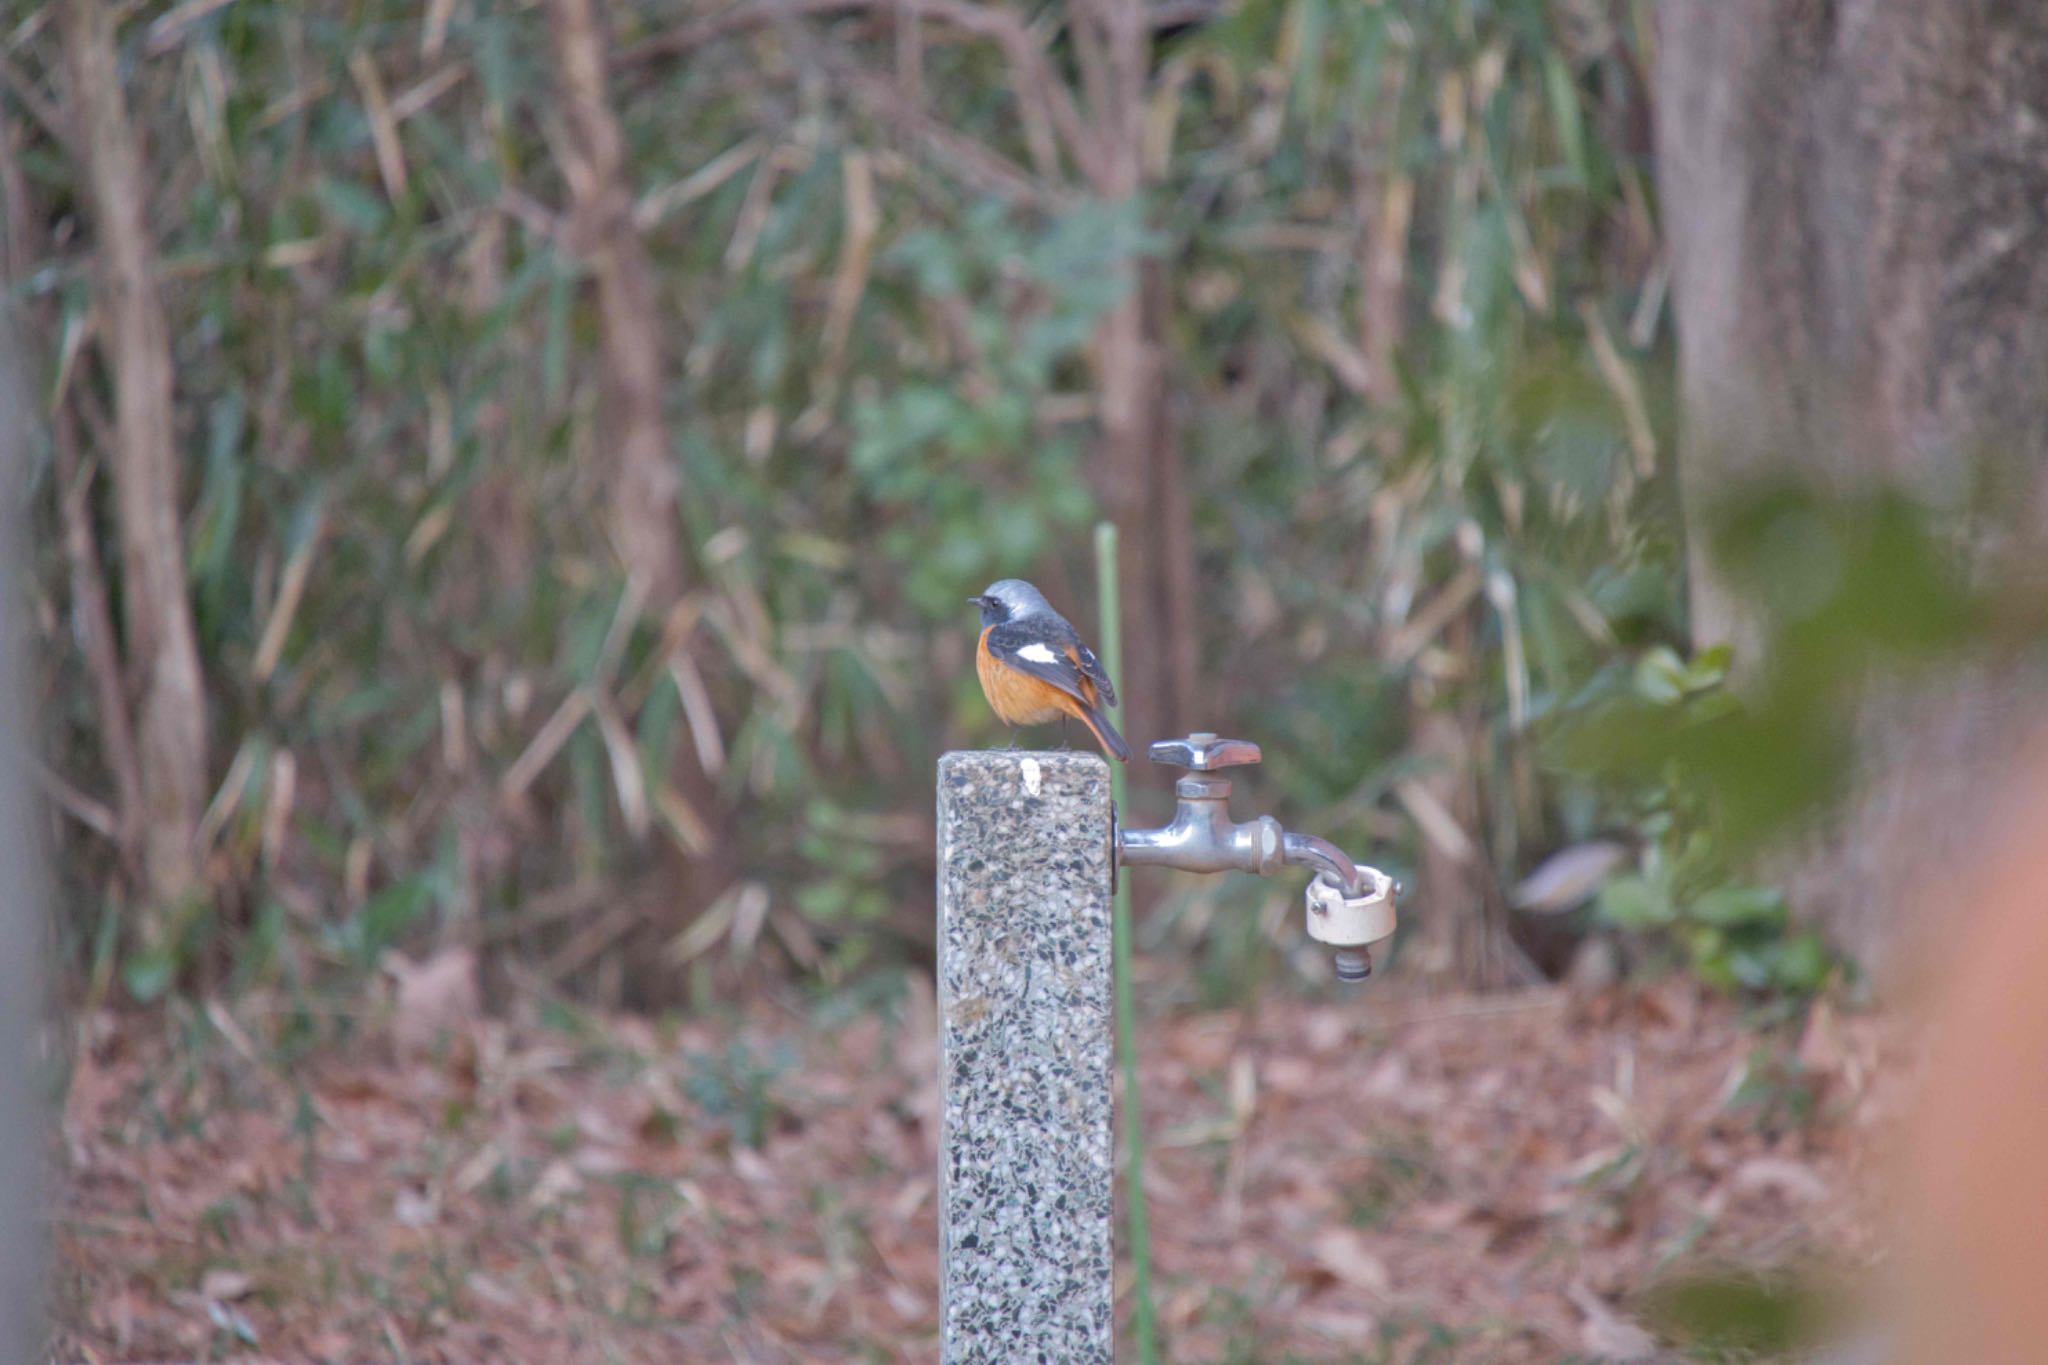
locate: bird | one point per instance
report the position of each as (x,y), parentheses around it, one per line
(1034,667)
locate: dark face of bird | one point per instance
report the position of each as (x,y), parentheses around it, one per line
(1007,599)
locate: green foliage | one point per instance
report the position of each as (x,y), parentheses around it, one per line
(1412,312)
(1489,526)
(1775,1094)
(1686,889)
(1851,591)
(739,1088)
(1850,586)
(1404,1169)
(1029,296)
(1735,1316)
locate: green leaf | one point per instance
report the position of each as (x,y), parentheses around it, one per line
(1719,1315)
(1731,907)
(1661,676)
(824,901)
(1563,96)
(554,354)
(1710,667)
(1803,964)
(385,917)
(1635,902)
(353,205)
(219,510)
(148,974)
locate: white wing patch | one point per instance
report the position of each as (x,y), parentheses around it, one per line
(1037,653)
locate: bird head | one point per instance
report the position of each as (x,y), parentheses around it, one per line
(1007,599)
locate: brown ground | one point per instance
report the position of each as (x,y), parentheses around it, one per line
(1403,1177)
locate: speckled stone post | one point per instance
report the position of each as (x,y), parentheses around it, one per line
(1025,1157)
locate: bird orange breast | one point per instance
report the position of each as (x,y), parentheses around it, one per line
(1016,696)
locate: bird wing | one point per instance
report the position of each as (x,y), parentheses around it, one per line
(1031,648)
(1061,634)
(1092,668)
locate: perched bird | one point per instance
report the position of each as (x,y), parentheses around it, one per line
(1035,669)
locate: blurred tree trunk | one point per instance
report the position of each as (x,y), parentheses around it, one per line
(644,485)
(1139,472)
(161,649)
(1453,881)
(1853,192)
(24,921)
(91,614)
(1464,929)
(1144,491)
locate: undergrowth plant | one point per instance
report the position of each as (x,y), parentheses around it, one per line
(1685,891)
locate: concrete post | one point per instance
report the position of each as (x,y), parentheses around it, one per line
(1025,1161)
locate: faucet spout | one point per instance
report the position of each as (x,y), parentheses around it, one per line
(1306,850)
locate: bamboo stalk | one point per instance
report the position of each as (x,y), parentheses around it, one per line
(1110,625)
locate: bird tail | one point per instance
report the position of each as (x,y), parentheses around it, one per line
(1105,734)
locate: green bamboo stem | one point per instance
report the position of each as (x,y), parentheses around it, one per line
(1110,625)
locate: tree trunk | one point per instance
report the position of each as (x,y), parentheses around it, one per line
(1464,928)
(1139,471)
(1853,191)
(162,650)
(1142,486)
(92,617)
(645,485)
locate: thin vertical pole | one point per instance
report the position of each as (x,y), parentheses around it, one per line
(1110,624)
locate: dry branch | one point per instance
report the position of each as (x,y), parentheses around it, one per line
(973,161)
(30,96)
(96,627)
(1045,106)
(1385,207)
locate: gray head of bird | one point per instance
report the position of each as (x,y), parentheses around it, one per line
(1007,599)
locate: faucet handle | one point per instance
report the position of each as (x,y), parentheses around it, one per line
(1204,751)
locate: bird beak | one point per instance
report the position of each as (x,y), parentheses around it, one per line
(976,601)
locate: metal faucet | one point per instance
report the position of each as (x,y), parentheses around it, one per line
(1349,907)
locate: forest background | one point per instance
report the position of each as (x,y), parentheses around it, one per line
(503,481)
(558,451)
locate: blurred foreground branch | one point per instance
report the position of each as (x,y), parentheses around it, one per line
(22,924)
